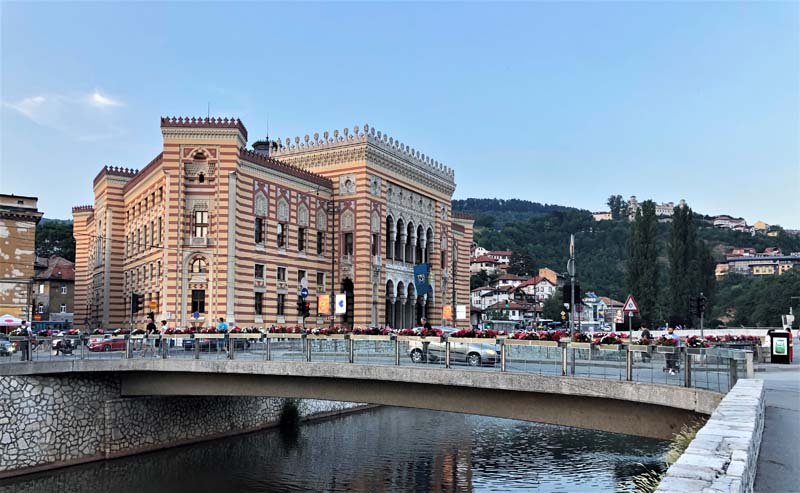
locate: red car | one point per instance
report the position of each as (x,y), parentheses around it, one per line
(107,344)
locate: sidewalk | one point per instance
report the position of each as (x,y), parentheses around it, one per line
(779,459)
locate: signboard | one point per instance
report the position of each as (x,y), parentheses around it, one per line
(422,273)
(341,304)
(447,312)
(169,316)
(461,312)
(780,346)
(630,305)
(304,292)
(196,315)
(324,304)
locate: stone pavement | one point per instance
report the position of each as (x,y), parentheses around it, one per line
(779,459)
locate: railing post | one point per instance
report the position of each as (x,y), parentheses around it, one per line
(231,346)
(687,368)
(128,347)
(307,347)
(564,349)
(733,373)
(164,346)
(82,345)
(447,354)
(269,349)
(350,355)
(748,359)
(628,364)
(396,351)
(502,356)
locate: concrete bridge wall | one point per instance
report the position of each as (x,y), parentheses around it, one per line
(55,421)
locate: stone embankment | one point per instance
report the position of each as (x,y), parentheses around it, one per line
(723,455)
(48,422)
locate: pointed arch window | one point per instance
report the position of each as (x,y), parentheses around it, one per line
(199,266)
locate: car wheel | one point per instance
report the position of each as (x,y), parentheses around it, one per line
(416,356)
(106,349)
(474,359)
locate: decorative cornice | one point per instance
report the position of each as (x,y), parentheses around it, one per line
(186,122)
(285,168)
(114,171)
(144,171)
(82,208)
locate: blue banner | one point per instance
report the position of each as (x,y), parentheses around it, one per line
(422,274)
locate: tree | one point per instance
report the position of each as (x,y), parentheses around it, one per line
(553,307)
(617,206)
(683,266)
(55,238)
(707,279)
(642,262)
(521,264)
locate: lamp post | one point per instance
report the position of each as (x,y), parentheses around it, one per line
(571,272)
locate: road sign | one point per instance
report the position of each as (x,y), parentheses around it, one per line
(341,304)
(304,292)
(571,267)
(563,315)
(196,315)
(630,305)
(153,305)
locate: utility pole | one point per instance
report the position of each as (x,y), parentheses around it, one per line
(571,272)
(453,277)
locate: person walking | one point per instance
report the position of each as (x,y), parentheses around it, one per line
(425,325)
(672,358)
(223,327)
(645,334)
(149,337)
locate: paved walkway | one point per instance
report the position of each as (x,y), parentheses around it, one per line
(779,459)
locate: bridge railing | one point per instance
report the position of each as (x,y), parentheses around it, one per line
(715,369)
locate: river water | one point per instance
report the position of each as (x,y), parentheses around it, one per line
(382,449)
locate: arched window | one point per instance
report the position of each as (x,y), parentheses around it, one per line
(283,211)
(201,178)
(302,215)
(199,266)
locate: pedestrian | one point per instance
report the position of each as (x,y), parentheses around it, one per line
(163,329)
(646,339)
(25,330)
(424,323)
(149,337)
(672,358)
(223,327)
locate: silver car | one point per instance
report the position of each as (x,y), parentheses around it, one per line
(470,354)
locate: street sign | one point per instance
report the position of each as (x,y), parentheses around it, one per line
(304,292)
(341,304)
(196,315)
(571,267)
(630,305)
(324,304)
(153,305)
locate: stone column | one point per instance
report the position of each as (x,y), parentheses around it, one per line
(390,311)
(403,241)
(393,236)
(402,313)
(422,244)
(414,249)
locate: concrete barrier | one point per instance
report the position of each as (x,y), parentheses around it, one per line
(723,455)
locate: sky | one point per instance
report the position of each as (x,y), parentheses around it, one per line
(562,103)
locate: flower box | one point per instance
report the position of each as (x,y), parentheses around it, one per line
(609,347)
(473,340)
(319,337)
(278,335)
(666,349)
(580,345)
(639,348)
(176,336)
(243,335)
(364,337)
(695,350)
(530,342)
(209,336)
(419,338)
(137,337)
(121,336)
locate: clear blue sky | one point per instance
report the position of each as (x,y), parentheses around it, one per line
(553,102)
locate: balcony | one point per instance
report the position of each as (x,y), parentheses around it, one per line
(198,241)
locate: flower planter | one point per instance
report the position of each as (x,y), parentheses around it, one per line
(666,349)
(244,335)
(419,338)
(609,347)
(209,336)
(529,342)
(335,337)
(365,337)
(696,350)
(137,337)
(122,336)
(580,345)
(278,335)
(639,348)
(473,340)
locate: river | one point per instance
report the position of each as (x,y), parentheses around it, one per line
(381,449)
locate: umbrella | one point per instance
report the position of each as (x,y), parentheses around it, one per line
(10,321)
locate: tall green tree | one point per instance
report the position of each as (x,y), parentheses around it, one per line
(617,206)
(642,262)
(55,238)
(683,265)
(553,306)
(521,264)
(707,279)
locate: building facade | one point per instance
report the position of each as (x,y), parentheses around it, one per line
(54,290)
(18,219)
(211,229)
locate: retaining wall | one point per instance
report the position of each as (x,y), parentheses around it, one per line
(723,455)
(48,422)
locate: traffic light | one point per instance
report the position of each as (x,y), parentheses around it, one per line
(701,305)
(306,309)
(300,305)
(137,300)
(566,293)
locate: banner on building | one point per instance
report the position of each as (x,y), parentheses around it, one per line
(447,312)
(324,304)
(422,278)
(341,304)
(461,312)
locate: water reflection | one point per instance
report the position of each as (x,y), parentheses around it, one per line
(386,449)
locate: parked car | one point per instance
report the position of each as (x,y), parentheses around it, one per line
(470,354)
(6,348)
(106,343)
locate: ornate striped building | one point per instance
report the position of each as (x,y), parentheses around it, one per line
(211,229)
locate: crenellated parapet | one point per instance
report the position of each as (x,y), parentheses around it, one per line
(82,208)
(194,122)
(363,134)
(282,167)
(115,171)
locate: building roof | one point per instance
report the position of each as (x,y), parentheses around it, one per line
(611,302)
(512,305)
(500,252)
(58,268)
(511,277)
(483,258)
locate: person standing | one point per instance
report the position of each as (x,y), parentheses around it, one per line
(149,337)
(672,358)
(646,335)
(425,325)
(25,330)
(223,327)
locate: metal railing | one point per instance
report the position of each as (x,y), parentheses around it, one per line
(714,369)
